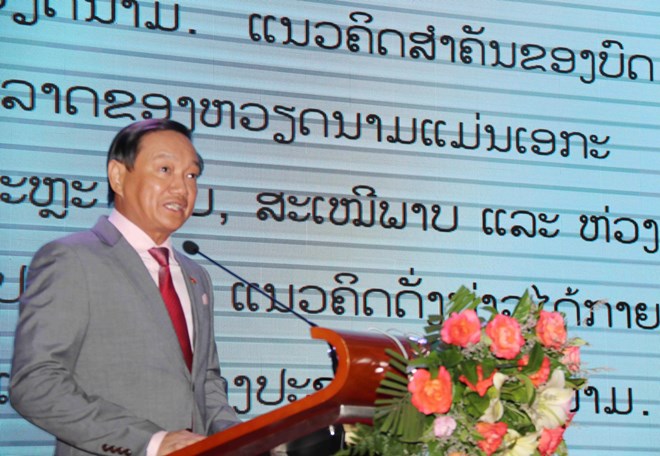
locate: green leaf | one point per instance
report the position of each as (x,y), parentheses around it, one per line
(578,342)
(576,383)
(397,361)
(429,329)
(516,391)
(516,419)
(562,449)
(490,309)
(536,356)
(451,357)
(433,340)
(459,389)
(385,383)
(461,300)
(389,421)
(390,392)
(385,402)
(488,365)
(477,404)
(530,391)
(521,312)
(396,355)
(413,424)
(469,369)
(396,377)
(419,362)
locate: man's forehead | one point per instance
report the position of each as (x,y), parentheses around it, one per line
(159,143)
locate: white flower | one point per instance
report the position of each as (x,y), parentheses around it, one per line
(552,404)
(495,409)
(520,446)
(499,379)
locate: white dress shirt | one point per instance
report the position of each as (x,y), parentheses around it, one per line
(141,242)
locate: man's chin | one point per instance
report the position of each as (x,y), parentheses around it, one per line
(174,226)
(171,225)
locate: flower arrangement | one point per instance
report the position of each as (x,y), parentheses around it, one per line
(499,386)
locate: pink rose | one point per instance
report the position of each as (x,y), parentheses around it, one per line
(431,395)
(571,358)
(505,335)
(540,376)
(461,329)
(492,436)
(443,426)
(550,440)
(482,383)
(551,329)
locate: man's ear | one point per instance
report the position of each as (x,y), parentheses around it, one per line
(116,173)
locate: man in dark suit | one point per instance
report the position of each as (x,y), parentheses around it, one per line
(114,350)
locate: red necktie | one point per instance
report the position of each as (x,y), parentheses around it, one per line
(172,303)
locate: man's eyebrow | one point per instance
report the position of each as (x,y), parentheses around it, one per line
(198,165)
(168,154)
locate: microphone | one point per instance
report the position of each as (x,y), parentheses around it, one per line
(191,248)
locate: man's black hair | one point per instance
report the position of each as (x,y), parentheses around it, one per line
(126,145)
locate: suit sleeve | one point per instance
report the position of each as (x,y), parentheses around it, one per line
(53,318)
(220,414)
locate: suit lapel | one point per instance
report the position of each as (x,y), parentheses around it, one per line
(198,303)
(130,264)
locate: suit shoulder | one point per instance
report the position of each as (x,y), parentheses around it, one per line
(80,240)
(75,247)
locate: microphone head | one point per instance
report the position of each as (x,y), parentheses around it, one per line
(190,247)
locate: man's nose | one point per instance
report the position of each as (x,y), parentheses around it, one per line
(178,184)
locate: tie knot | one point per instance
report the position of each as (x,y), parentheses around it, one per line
(161,255)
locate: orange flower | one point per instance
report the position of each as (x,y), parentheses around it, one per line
(461,329)
(492,436)
(482,383)
(550,440)
(551,329)
(505,335)
(540,376)
(431,395)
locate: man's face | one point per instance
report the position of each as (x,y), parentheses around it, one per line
(158,194)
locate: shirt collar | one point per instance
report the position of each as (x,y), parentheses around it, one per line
(137,238)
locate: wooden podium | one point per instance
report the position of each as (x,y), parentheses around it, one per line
(349,398)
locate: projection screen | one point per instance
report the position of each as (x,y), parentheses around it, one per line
(363,160)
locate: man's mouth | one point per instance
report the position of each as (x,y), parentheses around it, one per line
(175,207)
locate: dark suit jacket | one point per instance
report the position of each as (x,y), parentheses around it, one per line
(96,360)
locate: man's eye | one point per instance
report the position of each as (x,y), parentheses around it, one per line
(165,169)
(193,176)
